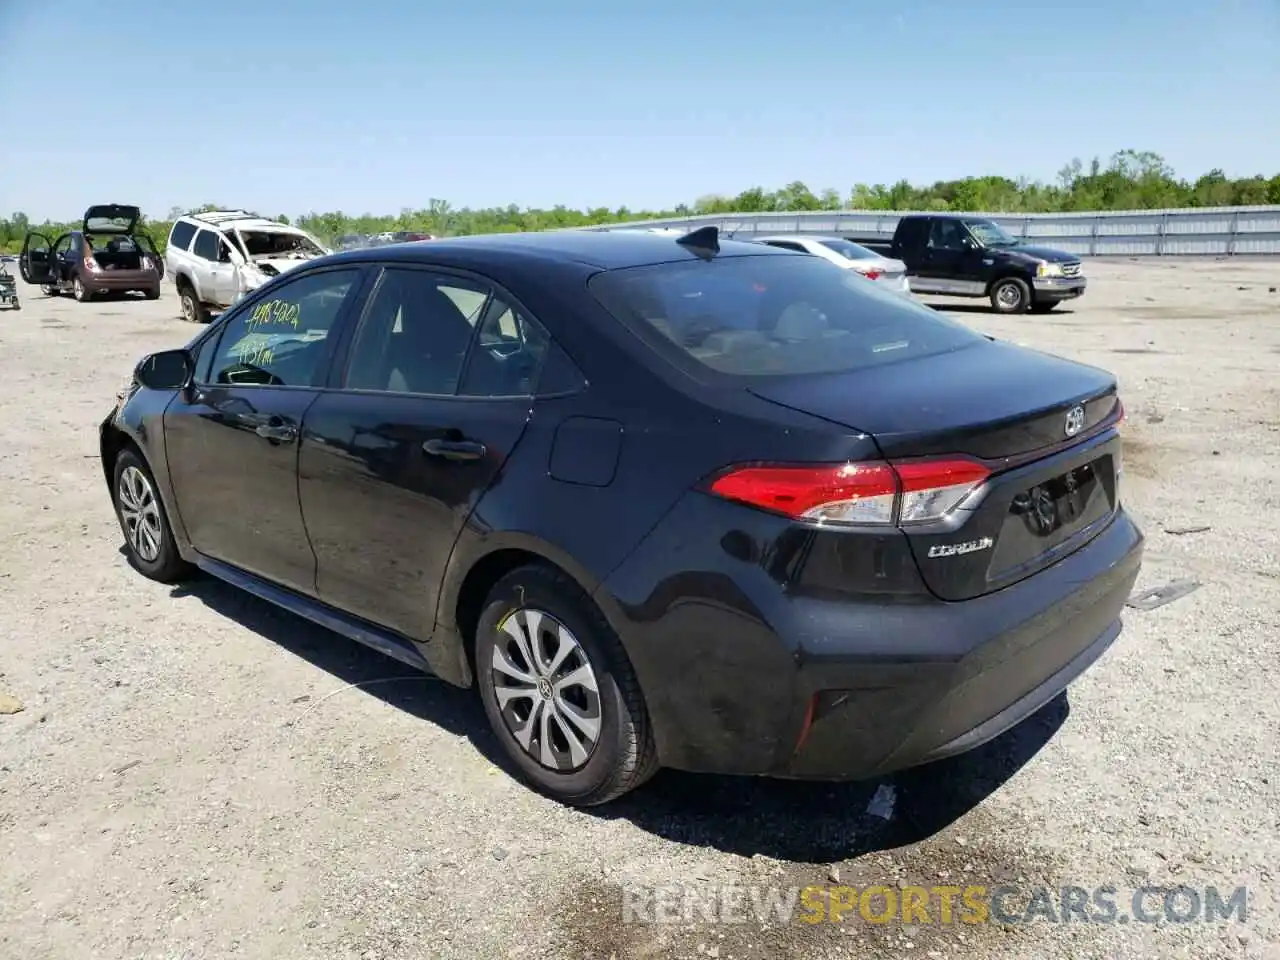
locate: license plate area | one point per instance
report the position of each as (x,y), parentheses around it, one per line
(1049,514)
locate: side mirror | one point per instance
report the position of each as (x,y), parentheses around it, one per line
(166,370)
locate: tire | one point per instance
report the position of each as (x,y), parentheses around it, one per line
(1010,295)
(152,294)
(150,545)
(622,756)
(79,290)
(49,290)
(193,310)
(1044,306)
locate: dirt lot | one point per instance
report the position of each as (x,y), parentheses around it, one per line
(196,775)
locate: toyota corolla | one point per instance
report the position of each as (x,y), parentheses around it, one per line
(664,501)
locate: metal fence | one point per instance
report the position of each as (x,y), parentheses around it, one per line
(1202,231)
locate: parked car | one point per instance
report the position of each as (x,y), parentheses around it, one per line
(888,273)
(108,254)
(962,256)
(841,535)
(216,258)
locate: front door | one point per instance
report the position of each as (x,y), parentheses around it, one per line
(36,262)
(951,262)
(393,463)
(231,439)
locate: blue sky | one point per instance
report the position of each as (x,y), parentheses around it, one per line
(289,106)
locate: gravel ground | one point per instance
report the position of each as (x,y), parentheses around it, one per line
(196,775)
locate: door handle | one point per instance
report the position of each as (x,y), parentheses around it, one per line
(277,431)
(454,449)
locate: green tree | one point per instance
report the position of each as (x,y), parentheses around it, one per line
(1128,180)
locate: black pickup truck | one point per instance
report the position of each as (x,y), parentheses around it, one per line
(960,256)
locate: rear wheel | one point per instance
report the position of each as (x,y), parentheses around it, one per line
(79,290)
(193,310)
(147,534)
(559,690)
(152,294)
(49,290)
(1010,295)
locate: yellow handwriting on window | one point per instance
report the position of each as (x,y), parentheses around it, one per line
(254,353)
(274,313)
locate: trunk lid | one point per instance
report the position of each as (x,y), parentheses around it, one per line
(111,218)
(1036,421)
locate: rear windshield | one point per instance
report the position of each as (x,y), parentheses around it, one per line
(774,316)
(850,250)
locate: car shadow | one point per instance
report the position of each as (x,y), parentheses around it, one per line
(986,308)
(787,820)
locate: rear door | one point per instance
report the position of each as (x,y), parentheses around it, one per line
(423,419)
(149,249)
(231,439)
(111,218)
(35,261)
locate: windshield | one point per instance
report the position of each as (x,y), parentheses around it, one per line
(760,316)
(850,250)
(274,243)
(989,234)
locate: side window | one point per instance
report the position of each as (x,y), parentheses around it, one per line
(507,355)
(206,246)
(181,235)
(946,235)
(415,333)
(279,340)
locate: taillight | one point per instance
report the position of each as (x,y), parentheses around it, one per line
(1120,414)
(148,264)
(91,264)
(855,493)
(872,274)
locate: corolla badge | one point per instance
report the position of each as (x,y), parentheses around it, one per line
(959,549)
(1075,421)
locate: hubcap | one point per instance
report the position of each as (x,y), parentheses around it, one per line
(546,690)
(1009,295)
(188,308)
(140,513)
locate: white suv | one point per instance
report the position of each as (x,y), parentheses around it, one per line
(216,258)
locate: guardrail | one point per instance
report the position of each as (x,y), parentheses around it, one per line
(1199,231)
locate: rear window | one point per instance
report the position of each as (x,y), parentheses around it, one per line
(774,316)
(181,235)
(849,250)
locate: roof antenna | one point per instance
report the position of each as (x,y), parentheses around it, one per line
(704,242)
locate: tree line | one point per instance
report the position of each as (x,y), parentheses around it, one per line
(1130,180)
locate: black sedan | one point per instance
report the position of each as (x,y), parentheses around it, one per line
(666,501)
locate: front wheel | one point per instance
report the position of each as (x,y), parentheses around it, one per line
(1044,306)
(1010,295)
(147,534)
(559,690)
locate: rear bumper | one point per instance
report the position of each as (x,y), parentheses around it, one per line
(109,280)
(812,687)
(1059,288)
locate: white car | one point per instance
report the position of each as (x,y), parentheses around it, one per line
(891,274)
(216,258)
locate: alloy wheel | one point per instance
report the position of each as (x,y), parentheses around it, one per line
(1009,295)
(140,512)
(188,308)
(546,690)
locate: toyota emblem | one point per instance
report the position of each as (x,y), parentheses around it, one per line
(1075,421)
